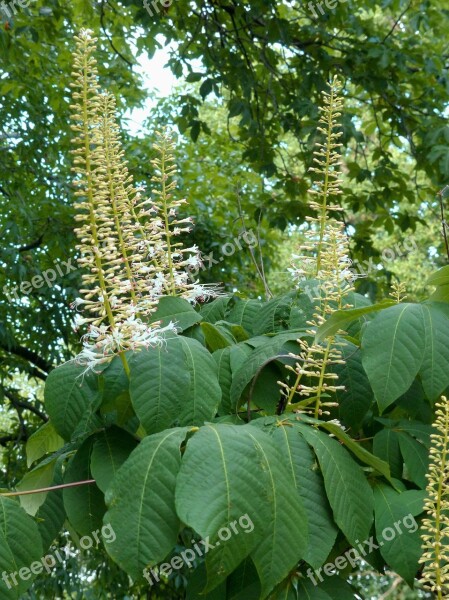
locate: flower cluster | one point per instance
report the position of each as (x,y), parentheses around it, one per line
(323,258)
(435,527)
(127,243)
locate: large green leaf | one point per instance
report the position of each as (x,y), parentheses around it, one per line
(141,503)
(440,277)
(267,350)
(71,398)
(345,485)
(301,462)
(286,538)
(43,441)
(393,351)
(111,448)
(176,310)
(244,313)
(397,532)
(386,447)
(51,515)
(357,396)
(229,360)
(39,477)
(362,454)
(216,337)
(416,458)
(274,315)
(341,318)
(159,378)
(84,504)
(220,481)
(201,398)
(217,309)
(434,369)
(20,546)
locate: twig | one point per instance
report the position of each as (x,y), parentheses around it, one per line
(443,220)
(50,489)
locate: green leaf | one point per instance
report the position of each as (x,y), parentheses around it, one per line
(400,546)
(159,378)
(357,396)
(267,350)
(345,485)
(274,315)
(216,337)
(341,318)
(306,589)
(71,398)
(393,350)
(300,460)
(244,582)
(84,504)
(39,477)
(416,458)
(386,447)
(200,400)
(244,313)
(141,503)
(363,455)
(220,481)
(440,277)
(175,310)
(43,441)
(111,448)
(434,372)
(116,403)
(285,541)
(51,515)
(20,546)
(216,310)
(229,360)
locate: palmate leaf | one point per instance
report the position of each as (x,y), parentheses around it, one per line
(219,482)
(345,483)
(20,546)
(141,503)
(393,351)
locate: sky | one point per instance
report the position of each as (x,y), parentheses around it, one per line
(158,80)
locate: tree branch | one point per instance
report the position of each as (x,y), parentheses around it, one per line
(16,401)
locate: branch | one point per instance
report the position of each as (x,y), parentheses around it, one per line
(32,245)
(16,401)
(28,355)
(4,441)
(49,489)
